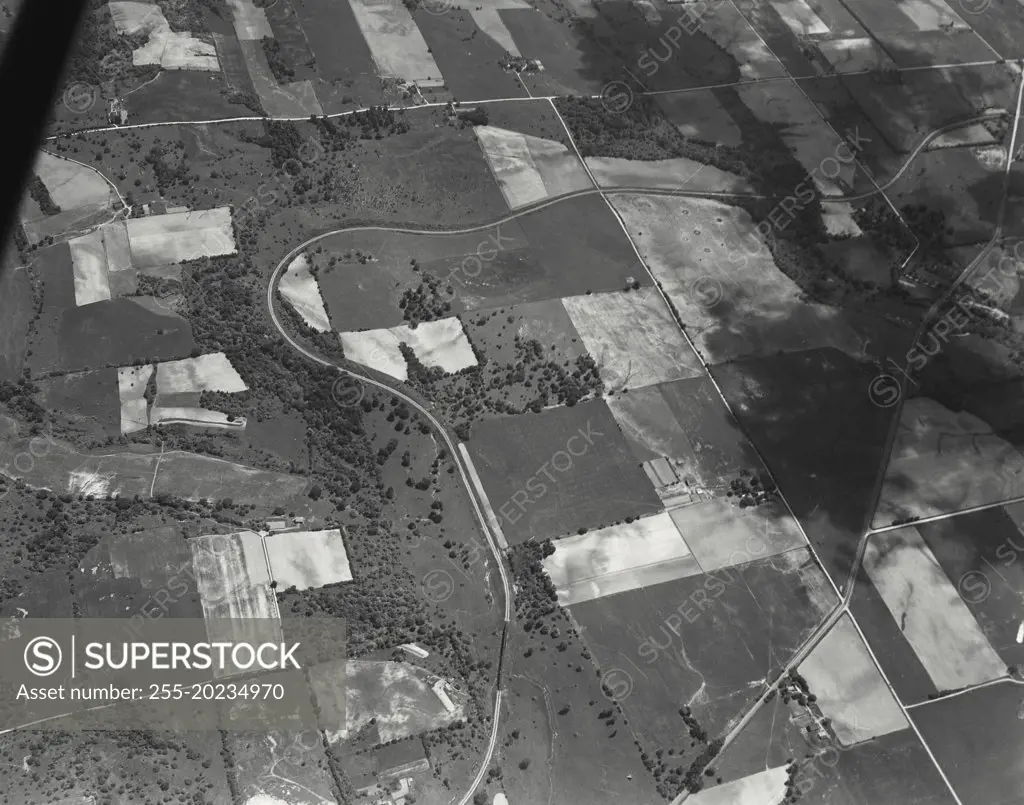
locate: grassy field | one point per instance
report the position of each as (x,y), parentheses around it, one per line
(706,642)
(733,308)
(596,485)
(977,740)
(15,315)
(945,461)
(469,60)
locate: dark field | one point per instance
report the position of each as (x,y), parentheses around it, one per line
(469,59)
(810,415)
(600,485)
(978,741)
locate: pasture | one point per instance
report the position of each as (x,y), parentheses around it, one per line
(440,343)
(733,626)
(543,490)
(945,461)
(739,308)
(977,740)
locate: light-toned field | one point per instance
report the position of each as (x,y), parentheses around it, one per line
(721,534)
(295,99)
(397,46)
(485,15)
(943,461)
(633,338)
(838,220)
(178,236)
(854,54)
(672,174)
(729,29)
(974,134)
(813,141)
(250,22)
(441,343)
(229,567)
(71,185)
(301,290)
(304,559)
(618,558)
(89,263)
(930,613)
(398,695)
(800,17)
(529,168)
(171,50)
(849,687)
(696,249)
(647,422)
(210,372)
(763,788)
(102,264)
(131,386)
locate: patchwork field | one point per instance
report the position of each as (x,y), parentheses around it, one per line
(396,43)
(849,688)
(529,168)
(619,558)
(564,469)
(633,338)
(178,236)
(233,577)
(81,197)
(746,308)
(721,533)
(171,50)
(933,618)
(733,626)
(142,471)
(301,290)
(945,461)
(983,555)
(823,438)
(305,559)
(441,343)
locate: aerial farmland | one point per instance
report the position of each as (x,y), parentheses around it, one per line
(631,389)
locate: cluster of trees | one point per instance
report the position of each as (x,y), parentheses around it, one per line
(749,489)
(425,302)
(169,168)
(536,597)
(41,196)
(282,71)
(188,16)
